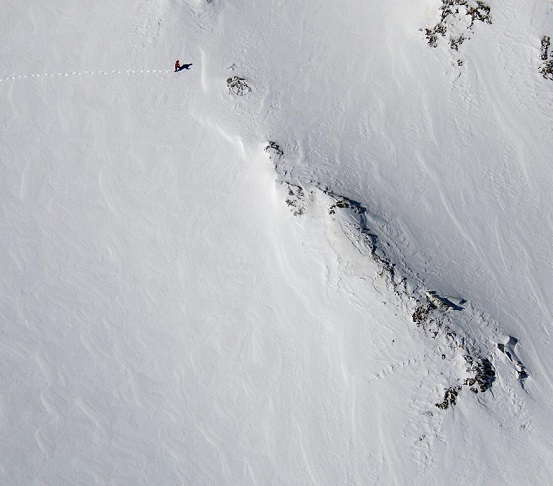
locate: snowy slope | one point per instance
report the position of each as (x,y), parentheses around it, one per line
(167,319)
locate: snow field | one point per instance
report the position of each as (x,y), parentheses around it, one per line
(163,301)
(167,320)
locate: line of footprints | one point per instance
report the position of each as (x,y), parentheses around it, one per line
(87,73)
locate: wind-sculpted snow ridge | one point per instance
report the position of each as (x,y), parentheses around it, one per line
(449,320)
(509,349)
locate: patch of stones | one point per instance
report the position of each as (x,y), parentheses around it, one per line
(546,56)
(457,19)
(295,199)
(238,86)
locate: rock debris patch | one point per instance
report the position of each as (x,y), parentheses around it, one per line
(238,86)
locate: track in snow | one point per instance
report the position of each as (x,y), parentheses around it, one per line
(85,73)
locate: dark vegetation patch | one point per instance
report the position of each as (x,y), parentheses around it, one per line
(483,373)
(478,12)
(450,398)
(455,42)
(421,313)
(432,34)
(546,56)
(452,21)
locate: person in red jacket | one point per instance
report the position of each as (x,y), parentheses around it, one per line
(177,65)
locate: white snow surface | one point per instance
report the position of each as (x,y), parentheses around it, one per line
(167,319)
